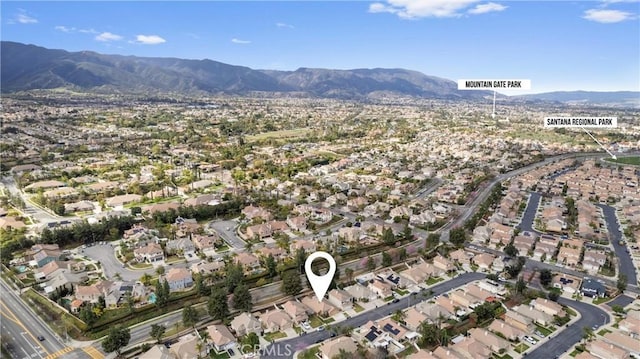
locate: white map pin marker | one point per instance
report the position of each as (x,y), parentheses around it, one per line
(320,283)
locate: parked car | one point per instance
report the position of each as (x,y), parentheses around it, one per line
(530,340)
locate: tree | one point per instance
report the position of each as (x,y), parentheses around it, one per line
(189,316)
(432,241)
(201,288)
(349,273)
(484,311)
(622,282)
(291,284)
(270,264)
(157,332)
(386,259)
(510,250)
(242,298)
(234,276)
(117,339)
(402,254)
(371,263)
(407,234)
(617,308)
(520,286)
(457,237)
(300,258)
(88,316)
(545,277)
(388,237)
(217,306)
(431,334)
(587,333)
(553,296)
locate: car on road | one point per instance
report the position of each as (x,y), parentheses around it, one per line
(320,328)
(40,338)
(395,300)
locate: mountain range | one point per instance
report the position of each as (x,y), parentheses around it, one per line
(29,67)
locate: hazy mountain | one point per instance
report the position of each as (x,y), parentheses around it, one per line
(28,67)
(617,98)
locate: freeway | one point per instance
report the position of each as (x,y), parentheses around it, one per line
(286,348)
(626,266)
(21,329)
(591,317)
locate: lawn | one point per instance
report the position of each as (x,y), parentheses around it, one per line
(357,307)
(214,355)
(603,332)
(433,280)
(389,298)
(633,160)
(273,336)
(521,348)
(315,321)
(309,354)
(402,292)
(599,300)
(506,356)
(546,332)
(329,320)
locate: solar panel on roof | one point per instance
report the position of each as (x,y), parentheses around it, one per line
(371,336)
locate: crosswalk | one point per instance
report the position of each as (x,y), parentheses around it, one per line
(93,352)
(59,353)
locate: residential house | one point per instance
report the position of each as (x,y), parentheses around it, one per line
(252,212)
(631,324)
(568,256)
(276,320)
(381,288)
(341,299)
(298,223)
(510,332)
(187,348)
(567,283)
(361,292)
(604,350)
(471,348)
(535,315)
(461,256)
(122,200)
(623,341)
(259,231)
(321,308)
(246,323)
(593,260)
(158,351)
(178,279)
(434,312)
(45,256)
(151,253)
(249,262)
(524,244)
(464,300)
(443,263)
(518,321)
(484,261)
(549,307)
(180,246)
(297,311)
(307,245)
(593,288)
(332,348)
(207,268)
(494,342)
(420,272)
(205,243)
(422,354)
(221,338)
(413,318)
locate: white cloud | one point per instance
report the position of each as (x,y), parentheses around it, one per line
(411,9)
(65,29)
(238,41)
(607,16)
(485,8)
(149,39)
(283,25)
(88,31)
(107,36)
(23,18)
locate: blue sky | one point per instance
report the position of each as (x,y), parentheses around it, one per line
(559,45)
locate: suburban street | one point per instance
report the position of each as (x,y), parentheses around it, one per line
(227,231)
(529,215)
(591,316)
(286,348)
(104,253)
(626,266)
(21,329)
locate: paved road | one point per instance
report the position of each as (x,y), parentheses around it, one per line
(110,265)
(624,258)
(592,316)
(529,215)
(30,210)
(227,231)
(286,348)
(21,328)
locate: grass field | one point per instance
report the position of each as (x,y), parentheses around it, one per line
(280,135)
(633,160)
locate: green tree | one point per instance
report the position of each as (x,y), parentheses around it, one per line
(432,241)
(242,298)
(300,259)
(617,308)
(349,273)
(621,284)
(117,339)
(88,316)
(371,263)
(157,332)
(291,284)
(271,265)
(217,306)
(545,277)
(407,234)
(402,254)
(510,250)
(234,276)
(520,286)
(189,316)
(457,237)
(388,237)
(386,259)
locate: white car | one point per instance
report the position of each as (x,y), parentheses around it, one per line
(530,340)
(305,326)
